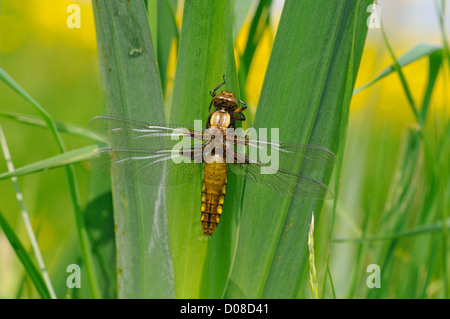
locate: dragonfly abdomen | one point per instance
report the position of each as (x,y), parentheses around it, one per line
(213,195)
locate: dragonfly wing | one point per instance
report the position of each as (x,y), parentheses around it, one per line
(154,167)
(283,181)
(127,133)
(304,156)
(278,179)
(290,156)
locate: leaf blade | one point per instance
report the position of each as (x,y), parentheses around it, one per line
(60,160)
(419,51)
(205,54)
(24,257)
(308,109)
(132,85)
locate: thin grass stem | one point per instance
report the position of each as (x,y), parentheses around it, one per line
(25,217)
(312,262)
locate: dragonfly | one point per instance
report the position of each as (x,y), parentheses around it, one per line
(153,154)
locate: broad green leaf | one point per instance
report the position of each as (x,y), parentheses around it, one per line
(205,54)
(24,257)
(419,51)
(132,86)
(303,95)
(100,223)
(64,159)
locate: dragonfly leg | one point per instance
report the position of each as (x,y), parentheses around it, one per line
(240,118)
(239,110)
(210,104)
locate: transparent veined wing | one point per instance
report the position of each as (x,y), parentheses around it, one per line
(278,171)
(284,182)
(154,167)
(289,156)
(126,133)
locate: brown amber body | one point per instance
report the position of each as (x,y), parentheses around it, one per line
(213,195)
(216,169)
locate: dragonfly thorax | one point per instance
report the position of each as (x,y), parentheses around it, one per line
(220,119)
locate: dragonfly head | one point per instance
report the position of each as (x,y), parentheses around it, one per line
(225,100)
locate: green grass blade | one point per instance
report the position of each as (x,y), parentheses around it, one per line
(401,191)
(434,227)
(431,167)
(435,63)
(62,127)
(240,12)
(167,32)
(257,27)
(153,19)
(8,80)
(131,82)
(397,67)
(68,158)
(24,257)
(328,275)
(260,21)
(431,159)
(419,51)
(303,95)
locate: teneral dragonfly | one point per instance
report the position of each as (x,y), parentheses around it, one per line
(152,154)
